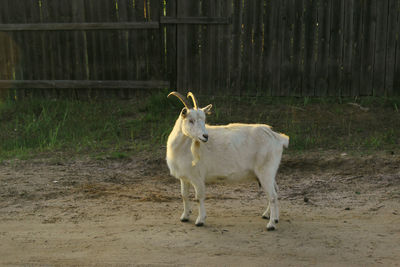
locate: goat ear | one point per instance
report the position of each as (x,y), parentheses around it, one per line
(207,109)
(184,112)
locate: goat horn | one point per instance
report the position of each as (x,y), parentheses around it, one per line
(190,94)
(181,98)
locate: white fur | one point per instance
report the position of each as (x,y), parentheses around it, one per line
(233,152)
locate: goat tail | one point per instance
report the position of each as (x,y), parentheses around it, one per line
(283,138)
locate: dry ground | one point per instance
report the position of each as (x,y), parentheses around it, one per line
(336,210)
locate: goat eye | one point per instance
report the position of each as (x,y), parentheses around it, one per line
(191,121)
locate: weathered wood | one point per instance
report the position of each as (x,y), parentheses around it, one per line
(246,83)
(170,45)
(298,51)
(336,48)
(272,55)
(208,8)
(310,30)
(260,47)
(84,26)
(38,84)
(396,75)
(356,47)
(236,47)
(347,55)
(288,22)
(368,44)
(392,29)
(324,32)
(378,82)
(195,20)
(181,47)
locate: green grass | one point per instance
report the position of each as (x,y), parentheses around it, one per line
(114,129)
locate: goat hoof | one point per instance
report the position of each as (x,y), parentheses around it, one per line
(266,217)
(276,220)
(184,220)
(199,224)
(271,228)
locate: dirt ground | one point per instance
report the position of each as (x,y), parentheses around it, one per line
(336,210)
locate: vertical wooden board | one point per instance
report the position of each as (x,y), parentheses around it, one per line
(192,58)
(254,84)
(321,73)
(100,9)
(288,22)
(109,13)
(367,57)
(212,40)
(145,72)
(225,46)
(336,48)
(207,49)
(236,64)
(135,41)
(6,45)
(356,47)
(266,48)
(396,80)
(156,59)
(92,43)
(271,62)
(181,48)
(49,44)
(347,54)
(310,31)
(170,45)
(247,84)
(392,35)
(36,40)
(79,62)
(298,51)
(277,47)
(126,64)
(378,82)
(220,68)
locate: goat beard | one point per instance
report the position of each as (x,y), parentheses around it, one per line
(195,147)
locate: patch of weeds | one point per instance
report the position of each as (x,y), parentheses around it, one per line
(117,155)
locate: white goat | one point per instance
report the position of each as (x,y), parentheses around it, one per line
(198,153)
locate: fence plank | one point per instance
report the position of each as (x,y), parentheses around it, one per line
(272,55)
(321,65)
(288,22)
(336,48)
(378,82)
(226,48)
(105,84)
(356,53)
(396,81)
(392,30)
(246,83)
(171,43)
(236,47)
(367,58)
(182,31)
(347,48)
(298,53)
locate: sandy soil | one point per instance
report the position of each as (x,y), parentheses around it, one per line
(336,210)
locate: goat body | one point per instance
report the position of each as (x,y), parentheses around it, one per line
(233,152)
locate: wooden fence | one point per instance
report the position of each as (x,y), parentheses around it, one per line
(212,47)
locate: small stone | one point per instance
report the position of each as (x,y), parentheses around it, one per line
(306,199)
(347,208)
